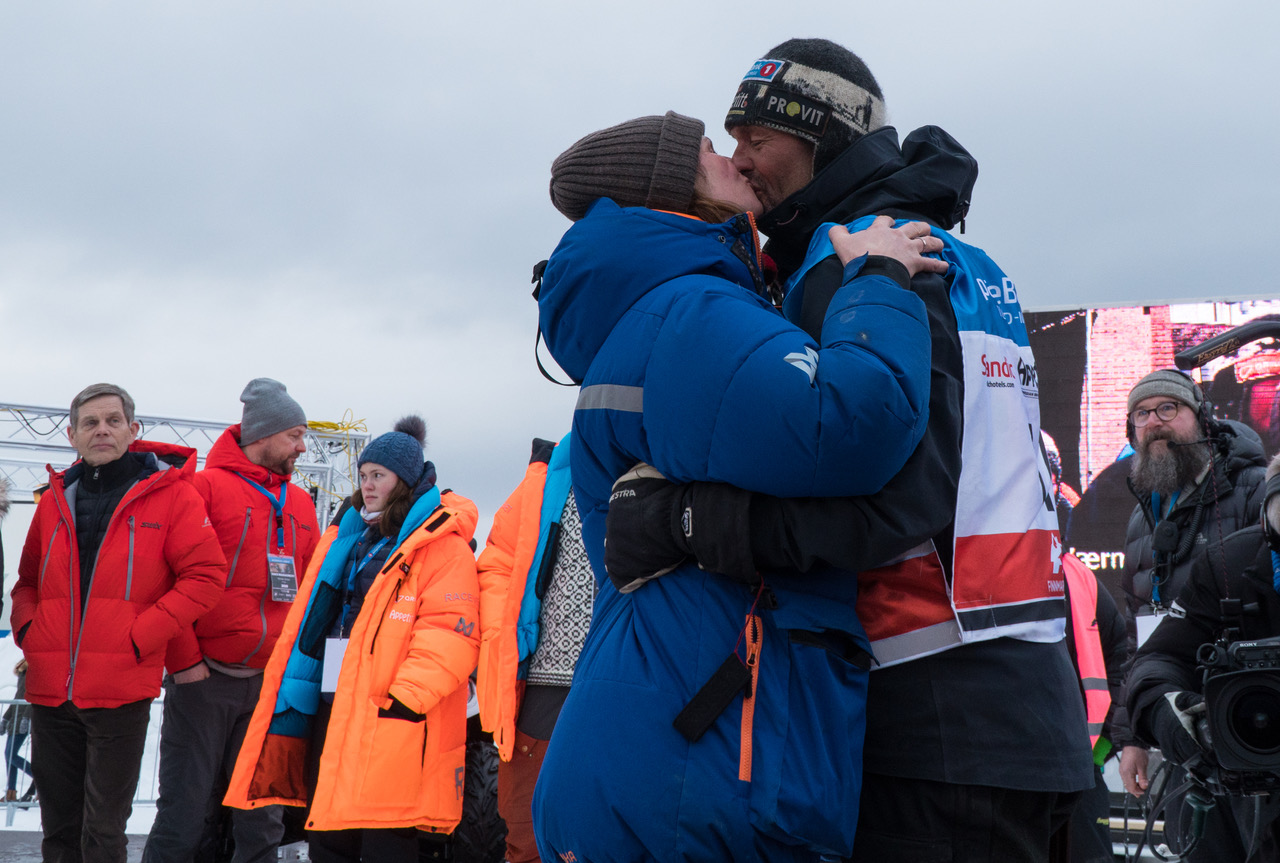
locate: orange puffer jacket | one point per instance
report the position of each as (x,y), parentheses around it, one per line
(243,627)
(504,569)
(158,568)
(416,639)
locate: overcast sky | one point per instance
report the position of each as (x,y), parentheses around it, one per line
(350,196)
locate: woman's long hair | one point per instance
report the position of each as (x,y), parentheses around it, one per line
(394,513)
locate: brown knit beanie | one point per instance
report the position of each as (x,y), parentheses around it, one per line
(813,89)
(645,162)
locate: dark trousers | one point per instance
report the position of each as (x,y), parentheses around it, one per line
(1091,824)
(396,845)
(203,727)
(85,762)
(919,821)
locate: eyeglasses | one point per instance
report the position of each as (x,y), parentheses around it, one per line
(1165,410)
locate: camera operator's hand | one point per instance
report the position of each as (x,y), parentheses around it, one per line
(1133,769)
(1173,721)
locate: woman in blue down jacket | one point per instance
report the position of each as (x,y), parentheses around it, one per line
(710,719)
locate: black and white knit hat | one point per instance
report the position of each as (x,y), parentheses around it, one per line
(813,89)
(646,162)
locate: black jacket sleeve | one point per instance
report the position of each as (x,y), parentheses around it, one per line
(1167,661)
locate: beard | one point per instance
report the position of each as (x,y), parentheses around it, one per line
(284,467)
(1166,469)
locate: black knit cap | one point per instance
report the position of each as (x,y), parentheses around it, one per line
(813,89)
(645,162)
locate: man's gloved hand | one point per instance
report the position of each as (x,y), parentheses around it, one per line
(1173,721)
(642,535)
(653,526)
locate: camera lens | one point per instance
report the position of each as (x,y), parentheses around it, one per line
(1255,719)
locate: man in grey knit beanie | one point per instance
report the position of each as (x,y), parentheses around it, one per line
(268,529)
(268,408)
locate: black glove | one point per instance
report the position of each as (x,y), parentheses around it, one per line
(1173,722)
(653,526)
(642,536)
(400,710)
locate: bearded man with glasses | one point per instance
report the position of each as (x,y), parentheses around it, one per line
(1196,480)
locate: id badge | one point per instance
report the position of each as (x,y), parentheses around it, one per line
(1147,624)
(284,578)
(334,650)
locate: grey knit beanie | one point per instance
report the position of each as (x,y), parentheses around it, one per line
(399,451)
(268,408)
(645,162)
(813,89)
(1166,382)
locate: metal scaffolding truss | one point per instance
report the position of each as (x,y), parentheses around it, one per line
(32,437)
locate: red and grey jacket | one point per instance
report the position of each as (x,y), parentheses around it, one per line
(158,568)
(243,627)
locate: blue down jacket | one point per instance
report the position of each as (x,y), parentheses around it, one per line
(684,365)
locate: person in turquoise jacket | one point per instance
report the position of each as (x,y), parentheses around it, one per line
(712,719)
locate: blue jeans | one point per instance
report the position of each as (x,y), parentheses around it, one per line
(12,757)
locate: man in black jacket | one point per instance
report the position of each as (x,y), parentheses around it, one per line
(973,752)
(1196,479)
(1230,592)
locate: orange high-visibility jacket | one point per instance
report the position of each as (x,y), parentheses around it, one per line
(415,638)
(1082,588)
(504,569)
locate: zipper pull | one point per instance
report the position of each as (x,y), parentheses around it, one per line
(753,651)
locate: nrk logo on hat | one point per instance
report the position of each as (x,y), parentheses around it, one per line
(765,70)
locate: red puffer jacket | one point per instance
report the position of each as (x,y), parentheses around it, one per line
(243,627)
(159,567)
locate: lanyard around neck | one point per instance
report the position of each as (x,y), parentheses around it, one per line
(277,504)
(1155,570)
(356,567)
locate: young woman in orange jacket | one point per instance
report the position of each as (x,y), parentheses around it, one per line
(389,604)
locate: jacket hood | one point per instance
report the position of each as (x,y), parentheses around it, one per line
(227,455)
(160,455)
(1241,446)
(613,256)
(4,498)
(929,177)
(466,515)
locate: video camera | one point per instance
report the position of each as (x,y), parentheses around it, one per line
(1241,725)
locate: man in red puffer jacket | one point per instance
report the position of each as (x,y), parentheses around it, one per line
(267,528)
(119,558)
